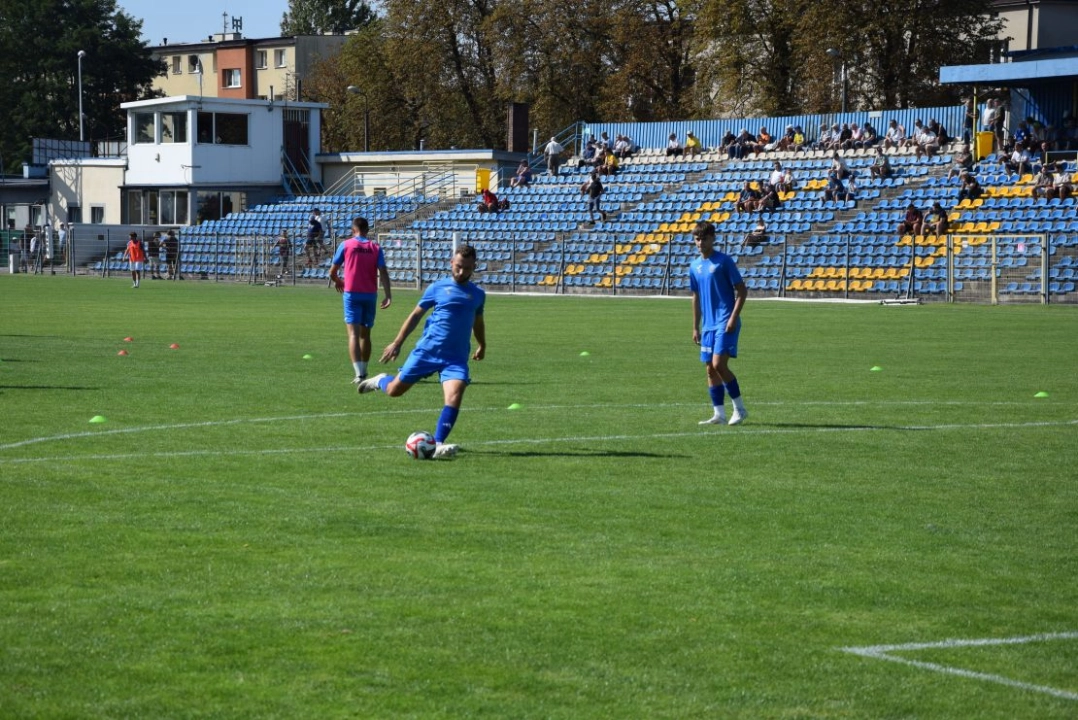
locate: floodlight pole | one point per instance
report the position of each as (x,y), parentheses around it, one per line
(366,117)
(82,54)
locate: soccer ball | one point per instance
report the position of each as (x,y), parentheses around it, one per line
(420,446)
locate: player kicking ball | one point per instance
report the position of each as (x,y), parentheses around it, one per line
(718,295)
(444,346)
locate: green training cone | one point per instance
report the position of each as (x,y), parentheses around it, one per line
(1042,393)
(876,368)
(308,356)
(514,406)
(98,419)
(585,353)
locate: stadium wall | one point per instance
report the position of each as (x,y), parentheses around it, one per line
(710,132)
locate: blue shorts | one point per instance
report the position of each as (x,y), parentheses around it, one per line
(359,308)
(419,366)
(718,343)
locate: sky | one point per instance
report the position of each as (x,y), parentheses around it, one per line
(191,21)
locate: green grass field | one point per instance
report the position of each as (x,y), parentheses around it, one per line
(245,537)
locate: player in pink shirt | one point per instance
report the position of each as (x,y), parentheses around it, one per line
(363,265)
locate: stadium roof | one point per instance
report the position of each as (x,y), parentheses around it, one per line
(1020,74)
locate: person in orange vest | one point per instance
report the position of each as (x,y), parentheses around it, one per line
(136,258)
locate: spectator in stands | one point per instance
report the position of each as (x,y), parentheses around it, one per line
(1021,133)
(1043,182)
(911,224)
(156,255)
(835,190)
(869,136)
(313,247)
(593,189)
(776,176)
(743,145)
(1019,162)
(839,166)
(786,142)
(789,183)
(172,248)
(284,252)
(748,199)
(881,165)
(553,152)
(845,137)
(623,147)
(935,221)
(604,142)
(692,145)
(523,178)
(937,129)
(799,138)
(610,164)
(61,244)
(857,137)
(727,141)
(895,137)
(962,161)
(999,126)
(851,188)
(1044,159)
(769,198)
(488,202)
(926,142)
(1062,185)
(763,142)
(971,187)
(673,147)
(590,154)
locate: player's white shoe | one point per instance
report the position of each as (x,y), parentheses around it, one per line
(370,384)
(358,379)
(716,419)
(444,451)
(738,416)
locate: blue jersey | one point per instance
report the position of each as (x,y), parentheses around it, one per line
(448,332)
(712,280)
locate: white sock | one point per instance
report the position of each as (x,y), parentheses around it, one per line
(360,370)
(739,404)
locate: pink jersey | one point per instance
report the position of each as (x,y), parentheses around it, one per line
(360,259)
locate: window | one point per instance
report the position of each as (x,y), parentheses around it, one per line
(214,205)
(177,65)
(231,78)
(261,61)
(173,207)
(222,129)
(279,58)
(194,65)
(144,128)
(173,127)
(74,214)
(97,214)
(134,207)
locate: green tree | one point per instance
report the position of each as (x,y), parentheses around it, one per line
(40,91)
(316,17)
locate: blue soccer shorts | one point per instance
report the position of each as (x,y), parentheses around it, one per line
(419,366)
(360,308)
(718,343)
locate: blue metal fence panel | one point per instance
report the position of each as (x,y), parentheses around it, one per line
(710,132)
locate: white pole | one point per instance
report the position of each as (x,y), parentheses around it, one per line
(82,54)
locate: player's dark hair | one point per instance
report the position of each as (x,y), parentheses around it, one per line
(703,229)
(466,251)
(361,226)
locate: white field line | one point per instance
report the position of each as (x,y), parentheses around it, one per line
(320,416)
(742,431)
(883,652)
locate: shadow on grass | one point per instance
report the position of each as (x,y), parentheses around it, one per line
(47,387)
(574,453)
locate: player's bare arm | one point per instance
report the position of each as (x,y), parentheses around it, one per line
(479,329)
(393,349)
